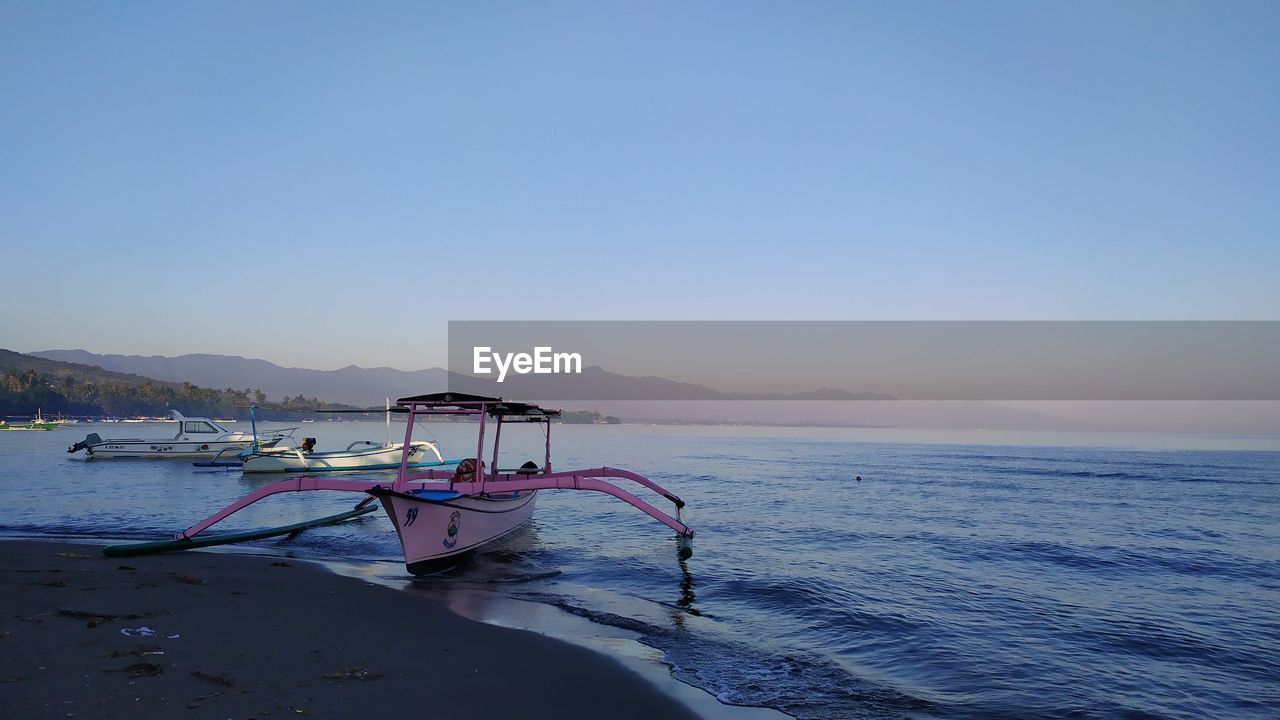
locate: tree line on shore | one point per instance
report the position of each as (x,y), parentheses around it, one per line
(22,392)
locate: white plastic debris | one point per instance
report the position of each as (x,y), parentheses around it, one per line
(144,631)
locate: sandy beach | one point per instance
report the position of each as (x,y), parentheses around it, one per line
(205,635)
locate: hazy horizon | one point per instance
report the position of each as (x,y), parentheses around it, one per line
(244,357)
(1247,418)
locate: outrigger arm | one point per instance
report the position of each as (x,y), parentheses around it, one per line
(568,480)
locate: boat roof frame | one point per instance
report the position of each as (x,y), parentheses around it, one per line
(451,403)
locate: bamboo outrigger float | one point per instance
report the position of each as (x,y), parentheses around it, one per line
(441,514)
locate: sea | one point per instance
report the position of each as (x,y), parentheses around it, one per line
(837,573)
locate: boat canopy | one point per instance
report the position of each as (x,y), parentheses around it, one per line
(448,398)
(202,425)
(496,407)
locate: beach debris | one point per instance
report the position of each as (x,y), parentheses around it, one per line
(191,580)
(139,651)
(145,669)
(145,631)
(85,614)
(196,702)
(354,673)
(220,679)
(126,567)
(141,669)
(78,556)
(94,618)
(281,563)
(53,583)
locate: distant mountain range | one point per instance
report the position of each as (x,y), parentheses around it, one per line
(352,385)
(56,368)
(368,386)
(597,384)
(30,384)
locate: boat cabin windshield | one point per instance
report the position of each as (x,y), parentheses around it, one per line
(198,426)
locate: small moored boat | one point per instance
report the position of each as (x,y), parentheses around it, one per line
(359,455)
(197,438)
(37,423)
(284,456)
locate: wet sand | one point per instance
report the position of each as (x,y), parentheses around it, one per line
(238,636)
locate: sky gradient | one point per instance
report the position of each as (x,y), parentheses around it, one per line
(324,184)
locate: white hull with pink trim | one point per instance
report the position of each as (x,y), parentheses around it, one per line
(437,525)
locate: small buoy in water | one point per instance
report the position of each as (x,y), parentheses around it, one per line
(857,478)
(685,550)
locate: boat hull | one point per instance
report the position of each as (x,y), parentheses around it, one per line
(197,439)
(288,460)
(436,527)
(153,449)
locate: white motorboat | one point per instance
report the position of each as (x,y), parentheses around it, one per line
(359,455)
(288,457)
(197,438)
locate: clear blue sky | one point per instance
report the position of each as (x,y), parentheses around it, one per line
(271,178)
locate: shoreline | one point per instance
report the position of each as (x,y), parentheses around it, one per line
(626,647)
(489,607)
(241,635)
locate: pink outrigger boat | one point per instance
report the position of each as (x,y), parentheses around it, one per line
(442,514)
